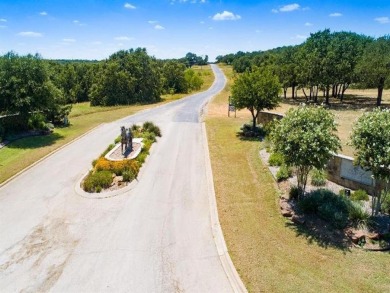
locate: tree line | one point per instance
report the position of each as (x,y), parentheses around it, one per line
(327,62)
(34,91)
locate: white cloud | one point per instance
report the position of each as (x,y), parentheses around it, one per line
(69,40)
(129,6)
(335,14)
(96,43)
(258,31)
(77,22)
(201,22)
(226,15)
(382,20)
(3,26)
(43,13)
(3,20)
(289,7)
(123,39)
(159,27)
(30,34)
(308,24)
(152,21)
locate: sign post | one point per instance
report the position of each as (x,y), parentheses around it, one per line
(231,108)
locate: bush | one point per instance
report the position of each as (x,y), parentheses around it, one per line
(283,173)
(118,139)
(276,159)
(386,202)
(318,177)
(328,206)
(117,167)
(128,175)
(152,128)
(294,192)
(359,195)
(96,181)
(248,131)
(37,121)
(357,214)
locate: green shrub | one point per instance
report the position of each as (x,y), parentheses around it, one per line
(96,181)
(357,214)
(118,139)
(386,202)
(283,173)
(149,126)
(359,195)
(276,159)
(328,206)
(318,177)
(149,136)
(128,175)
(294,192)
(37,121)
(135,128)
(142,157)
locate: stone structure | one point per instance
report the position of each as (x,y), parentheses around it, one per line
(266,117)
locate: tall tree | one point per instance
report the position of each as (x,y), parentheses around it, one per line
(371,140)
(25,86)
(256,90)
(306,137)
(374,66)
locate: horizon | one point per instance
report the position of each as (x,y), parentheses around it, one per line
(168,29)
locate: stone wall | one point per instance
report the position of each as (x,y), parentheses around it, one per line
(341,170)
(266,117)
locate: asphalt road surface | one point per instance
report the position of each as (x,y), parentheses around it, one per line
(156,237)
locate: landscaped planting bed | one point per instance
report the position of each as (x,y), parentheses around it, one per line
(108,175)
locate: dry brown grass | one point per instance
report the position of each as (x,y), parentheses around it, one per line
(355,104)
(269,255)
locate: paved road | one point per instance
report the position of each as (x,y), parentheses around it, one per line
(155,238)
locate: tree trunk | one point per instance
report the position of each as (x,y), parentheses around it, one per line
(254,116)
(304,93)
(285,92)
(334,90)
(293,91)
(327,95)
(345,87)
(380,91)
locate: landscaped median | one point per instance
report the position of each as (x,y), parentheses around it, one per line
(112,174)
(269,254)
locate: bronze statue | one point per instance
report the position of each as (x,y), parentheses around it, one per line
(126,140)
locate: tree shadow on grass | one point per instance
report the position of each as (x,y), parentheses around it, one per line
(34,142)
(317,231)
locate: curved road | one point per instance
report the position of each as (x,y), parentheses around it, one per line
(158,237)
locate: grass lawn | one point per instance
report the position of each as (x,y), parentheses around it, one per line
(22,153)
(269,255)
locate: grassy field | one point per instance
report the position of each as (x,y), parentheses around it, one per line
(356,102)
(20,154)
(269,254)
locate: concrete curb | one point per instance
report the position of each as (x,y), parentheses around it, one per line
(227,264)
(48,155)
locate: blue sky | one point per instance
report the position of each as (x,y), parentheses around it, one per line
(94,29)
